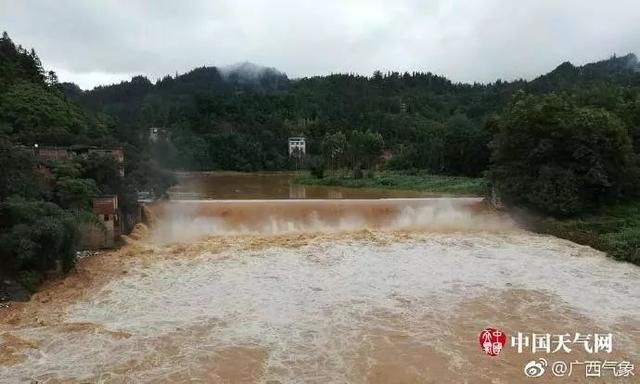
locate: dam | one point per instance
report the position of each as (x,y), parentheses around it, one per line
(249,285)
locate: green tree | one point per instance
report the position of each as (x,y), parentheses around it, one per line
(430,146)
(75,193)
(466,149)
(148,176)
(366,148)
(40,115)
(35,235)
(64,168)
(558,158)
(104,170)
(17,171)
(334,147)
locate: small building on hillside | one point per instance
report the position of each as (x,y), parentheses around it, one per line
(105,236)
(297,145)
(52,153)
(117,153)
(154,134)
(158,133)
(44,153)
(106,208)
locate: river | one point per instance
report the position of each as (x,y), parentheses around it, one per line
(274,185)
(232,286)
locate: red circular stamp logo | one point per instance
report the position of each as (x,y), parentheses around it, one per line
(492,341)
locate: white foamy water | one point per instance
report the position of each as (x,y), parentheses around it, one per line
(313,309)
(193,219)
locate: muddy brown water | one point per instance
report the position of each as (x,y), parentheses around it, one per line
(277,185)
(369,290)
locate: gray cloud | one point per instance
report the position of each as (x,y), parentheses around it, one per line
(97,42)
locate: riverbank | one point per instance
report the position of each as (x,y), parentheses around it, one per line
(614,230)
(423,182)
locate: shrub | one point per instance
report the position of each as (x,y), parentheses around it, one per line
(625,244)
(317,172)
(35,235)
(316,166)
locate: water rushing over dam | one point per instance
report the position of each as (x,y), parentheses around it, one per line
(317,291)
(189,219)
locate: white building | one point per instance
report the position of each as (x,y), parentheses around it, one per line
(297,144)
(155,133)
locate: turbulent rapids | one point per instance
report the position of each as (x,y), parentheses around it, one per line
(317,291)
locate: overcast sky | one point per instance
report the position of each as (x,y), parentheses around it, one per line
(100,42)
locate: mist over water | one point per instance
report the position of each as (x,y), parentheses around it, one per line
(189,220)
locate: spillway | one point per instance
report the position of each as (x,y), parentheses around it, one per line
(318,291)
(188,219)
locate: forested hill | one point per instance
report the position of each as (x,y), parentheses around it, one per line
(46,201)
(32,105)
(239,118)
(562,144)
(200,81)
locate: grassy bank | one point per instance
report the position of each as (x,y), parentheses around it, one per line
(405,181)
(614,230)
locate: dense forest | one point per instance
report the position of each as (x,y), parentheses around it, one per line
(240,119)
(43,202)
(563,143)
